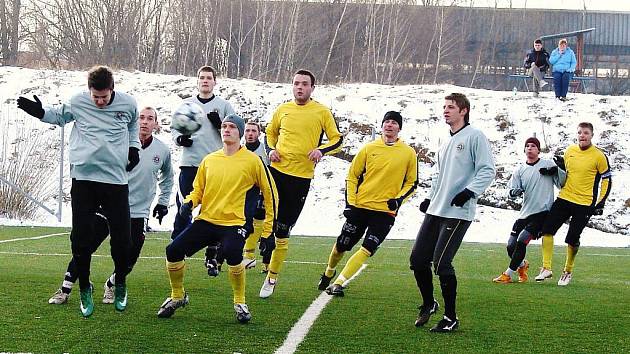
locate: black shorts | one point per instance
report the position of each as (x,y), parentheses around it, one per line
(374,224)
(532,224)
(292,192)
(201,234)
(561,211)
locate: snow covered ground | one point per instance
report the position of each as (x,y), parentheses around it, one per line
(506,118)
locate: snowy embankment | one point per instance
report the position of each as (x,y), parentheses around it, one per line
(507,120)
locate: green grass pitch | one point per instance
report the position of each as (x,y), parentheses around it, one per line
(376,315)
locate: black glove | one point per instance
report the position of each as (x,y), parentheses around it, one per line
(159,211)
(33,108)
(267,245)
(259,213)
(462,197)
(133,158)
(394,203)
(548,171)
(597,210)
(516,192)
(184,140)
(185,210)
(537,235)
(349,211)
(214,119)
(559,160)
(424,206)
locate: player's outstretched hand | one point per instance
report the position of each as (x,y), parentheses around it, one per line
(33,108)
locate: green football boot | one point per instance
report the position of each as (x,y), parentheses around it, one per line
(87,304)
(120,297)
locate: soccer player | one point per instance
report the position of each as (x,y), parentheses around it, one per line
(254,209)
(534,180)
(220,187)
(202,142)
(464,169)
(294,141)
(382,175)
(254,212)
(153,169)
(583,195)
(104,147)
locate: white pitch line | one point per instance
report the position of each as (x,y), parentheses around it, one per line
(303,325)
(34,237)
(142,257)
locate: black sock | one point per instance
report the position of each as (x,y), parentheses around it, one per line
(83,269)
(424,280)
(448,283)
(519,255)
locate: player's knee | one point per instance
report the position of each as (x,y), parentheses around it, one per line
(444,269)
(344,243)
(282,229)
(370,244)
(417,263)
(573,243)
(174,253)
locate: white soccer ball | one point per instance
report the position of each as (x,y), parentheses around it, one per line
(187,118)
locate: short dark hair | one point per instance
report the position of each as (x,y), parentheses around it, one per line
(208,69)
(100,78)
(538,41)
(586,125)
(154,111)
(254,122)
(462,102)
(306,72)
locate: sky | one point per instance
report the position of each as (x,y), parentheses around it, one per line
(507,119)
(603,5)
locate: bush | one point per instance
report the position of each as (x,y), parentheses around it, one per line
(28,159)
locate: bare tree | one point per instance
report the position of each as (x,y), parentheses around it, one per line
(9,31)
(334,40)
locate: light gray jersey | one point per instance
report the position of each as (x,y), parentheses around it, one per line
(538,193)
(100,138)
(153,169)
(208,138)
(464,161)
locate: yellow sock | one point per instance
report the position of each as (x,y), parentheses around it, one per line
(277,257)
(571,252)
(354,263)
(333,260)
(252,240)
(176,276)
(237,279)
(547,250)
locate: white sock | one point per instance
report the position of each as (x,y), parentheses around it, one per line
(509,272)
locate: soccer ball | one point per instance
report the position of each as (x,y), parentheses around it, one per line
(187,118)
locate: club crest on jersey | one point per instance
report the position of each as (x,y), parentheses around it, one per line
(122,116)
(460,147)
(156,159)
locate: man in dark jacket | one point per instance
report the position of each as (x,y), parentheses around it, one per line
(537,62)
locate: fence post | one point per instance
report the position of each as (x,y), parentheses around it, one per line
(60,196)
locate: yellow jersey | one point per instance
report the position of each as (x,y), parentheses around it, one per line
(295,130)
(380,172)
(222,182)
(587,171)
